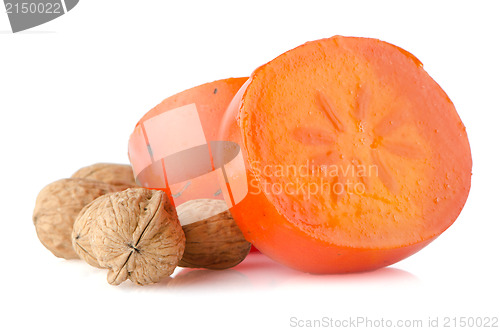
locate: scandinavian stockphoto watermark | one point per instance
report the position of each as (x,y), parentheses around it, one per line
(26,14)
(365,322)
(310,178)
(172,152)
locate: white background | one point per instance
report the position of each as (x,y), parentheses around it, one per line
(72,90)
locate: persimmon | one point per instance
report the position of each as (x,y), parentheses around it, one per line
(210,101)
(356,158)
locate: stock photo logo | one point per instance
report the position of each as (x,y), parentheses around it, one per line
(170,152)
(25,14)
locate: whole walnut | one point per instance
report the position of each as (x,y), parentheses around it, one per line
(82,235)
(57,207)
(213,240)
(134,233)
(111,173)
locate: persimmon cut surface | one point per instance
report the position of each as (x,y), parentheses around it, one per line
(359,156)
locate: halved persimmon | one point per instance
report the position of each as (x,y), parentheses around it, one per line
(356,157)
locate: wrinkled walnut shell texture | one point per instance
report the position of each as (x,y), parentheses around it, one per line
(215,242)
(136,235)
(111,173)
(57,207)
(82,234)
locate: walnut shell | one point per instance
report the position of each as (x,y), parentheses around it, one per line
(213,240)
(81,236)
(57,207)
(111,173)
(136,235)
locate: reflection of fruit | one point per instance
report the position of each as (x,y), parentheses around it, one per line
(209,278)
(335,107)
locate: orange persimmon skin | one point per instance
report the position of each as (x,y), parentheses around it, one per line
(291,230)
(212,100)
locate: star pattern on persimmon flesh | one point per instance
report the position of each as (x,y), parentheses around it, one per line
(378,133)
